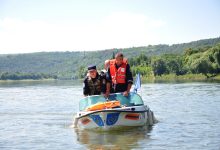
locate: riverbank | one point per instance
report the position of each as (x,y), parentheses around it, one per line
(162,78)
(28,80)
(181,78)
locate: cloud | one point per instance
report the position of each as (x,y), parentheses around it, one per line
(118,30)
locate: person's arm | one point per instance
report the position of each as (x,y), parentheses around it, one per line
(129,77)
(108,83)
(103,81)
(85,88)
(129,87)
(129,80)
(107,92)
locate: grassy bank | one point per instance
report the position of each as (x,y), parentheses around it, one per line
(175,78)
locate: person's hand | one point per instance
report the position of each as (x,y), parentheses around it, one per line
(125,93)
(106,95)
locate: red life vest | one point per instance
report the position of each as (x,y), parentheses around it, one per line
(118,75)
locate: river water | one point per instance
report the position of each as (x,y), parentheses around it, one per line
(38,115)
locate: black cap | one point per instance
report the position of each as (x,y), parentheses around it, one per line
(91,67)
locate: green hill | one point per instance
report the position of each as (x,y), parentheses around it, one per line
(66,65)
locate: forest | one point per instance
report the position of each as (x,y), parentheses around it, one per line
(204,61)
(25,76)
(196,57)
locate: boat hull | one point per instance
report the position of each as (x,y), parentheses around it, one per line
(114,118)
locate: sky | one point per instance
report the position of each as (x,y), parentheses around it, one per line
(28,26)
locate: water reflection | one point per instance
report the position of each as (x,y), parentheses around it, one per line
(118,139)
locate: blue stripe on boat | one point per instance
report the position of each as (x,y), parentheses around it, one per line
(112,118)
(97,119)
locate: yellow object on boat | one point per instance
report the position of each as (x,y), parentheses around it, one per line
(104,105)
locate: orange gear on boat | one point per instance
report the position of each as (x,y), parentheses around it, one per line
(104,105)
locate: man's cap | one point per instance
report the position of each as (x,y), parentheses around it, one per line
(91,67)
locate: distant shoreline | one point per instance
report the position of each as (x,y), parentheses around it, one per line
(28,80)
(181,78)
(151,79)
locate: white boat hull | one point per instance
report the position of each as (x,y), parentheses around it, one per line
(114,118)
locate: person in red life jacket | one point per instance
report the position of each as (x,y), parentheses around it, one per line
(93,83)
(119,77)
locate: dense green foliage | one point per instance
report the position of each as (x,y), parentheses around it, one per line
(204,61)
(149,60)
(25,76)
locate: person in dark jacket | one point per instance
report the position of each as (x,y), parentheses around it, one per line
(119,77)
(93,83)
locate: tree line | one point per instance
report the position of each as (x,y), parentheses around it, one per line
(25,76)
(204,61)
(153,60)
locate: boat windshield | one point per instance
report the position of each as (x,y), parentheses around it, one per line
(133,99)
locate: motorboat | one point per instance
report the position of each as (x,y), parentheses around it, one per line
(115,112)
(118,111)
